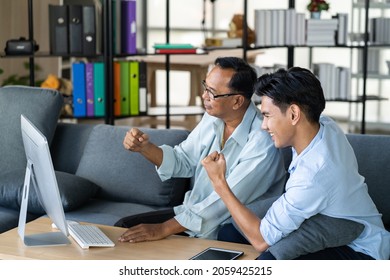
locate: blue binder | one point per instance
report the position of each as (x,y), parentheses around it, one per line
(79,94)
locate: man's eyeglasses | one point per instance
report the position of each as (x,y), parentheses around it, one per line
(214,96)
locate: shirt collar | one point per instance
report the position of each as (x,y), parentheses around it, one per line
(296,157)
(240,134)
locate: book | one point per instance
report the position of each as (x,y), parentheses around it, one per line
(89,89)
(128,27)
(99,89)
(260,28)
(176,51)
(300,29)
(79,95)
(342,28)
(290,27)
(173,46)
(134,88)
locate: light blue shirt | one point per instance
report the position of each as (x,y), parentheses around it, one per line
(324,179)
(254,167)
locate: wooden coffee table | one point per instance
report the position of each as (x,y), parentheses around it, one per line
(172,248)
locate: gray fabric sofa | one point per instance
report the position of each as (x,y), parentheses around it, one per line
(101,182)
(123,183)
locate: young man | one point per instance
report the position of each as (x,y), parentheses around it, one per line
(230,125)
(324,176)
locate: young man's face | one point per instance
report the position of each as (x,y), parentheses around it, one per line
(276,123)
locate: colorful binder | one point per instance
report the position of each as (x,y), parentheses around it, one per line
(124,92)
(99,89)
(79,95)
(128,27)
(134,88)
(89,89)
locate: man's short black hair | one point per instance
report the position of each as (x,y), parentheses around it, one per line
(244,79)
(293,86)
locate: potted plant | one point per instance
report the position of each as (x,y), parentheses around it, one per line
(23,79)
(315,7)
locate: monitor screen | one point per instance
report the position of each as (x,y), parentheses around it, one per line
(40,174)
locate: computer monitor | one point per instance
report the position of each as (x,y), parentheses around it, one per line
(40,174)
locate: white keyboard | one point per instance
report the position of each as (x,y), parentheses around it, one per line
(89,236)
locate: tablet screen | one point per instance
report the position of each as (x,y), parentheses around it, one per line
(217,254)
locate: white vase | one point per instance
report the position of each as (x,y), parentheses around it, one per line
(315,15)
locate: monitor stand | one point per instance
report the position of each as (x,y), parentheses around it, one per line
(54,238)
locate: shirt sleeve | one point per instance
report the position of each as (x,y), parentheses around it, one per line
(181,160)
(300,202)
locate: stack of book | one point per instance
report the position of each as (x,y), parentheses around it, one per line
(279,27)
(335,80)
(175,49)
(321,32)
(379,30)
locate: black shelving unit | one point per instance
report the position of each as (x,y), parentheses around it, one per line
(31,38)
(363,98)
(108,57)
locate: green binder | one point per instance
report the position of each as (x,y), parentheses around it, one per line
(134,88)
(99,89)
(124,88)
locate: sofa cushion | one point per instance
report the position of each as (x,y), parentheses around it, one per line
(68,145)
(41,106)
(74,191)
(373,156)
(125,176)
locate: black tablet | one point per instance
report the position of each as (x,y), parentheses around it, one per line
(213,253)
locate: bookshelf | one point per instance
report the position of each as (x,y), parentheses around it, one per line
(108,57)
(361,94)
(359,13)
